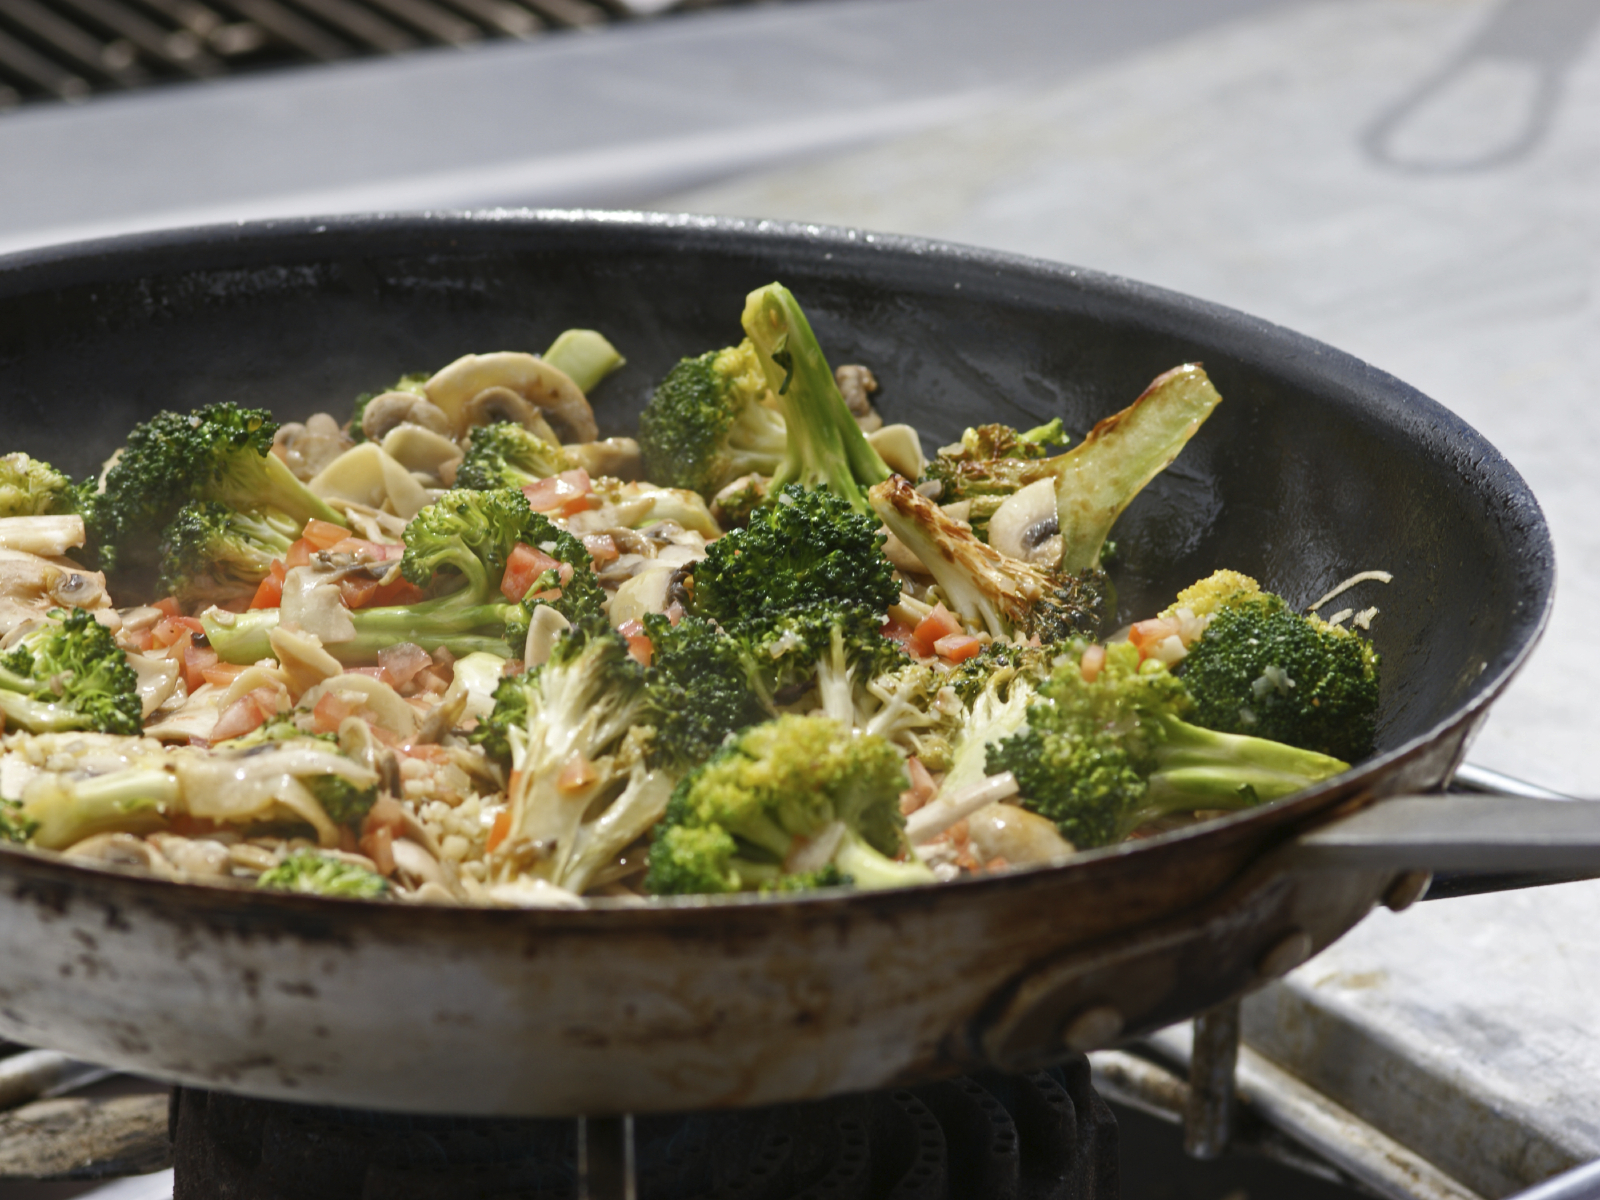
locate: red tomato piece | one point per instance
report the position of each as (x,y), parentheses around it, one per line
(167,605)
(196,661)
(898,631)
(957,647)
(221,674)
(400,592)
(299,554)
(239,718)
(639,645)
(357,592)
(941,622)
(323,535)
(499,831)
(602,549)
(269,594)
(1094,658)
(524,565)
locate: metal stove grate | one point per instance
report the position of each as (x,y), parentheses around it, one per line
(54,50)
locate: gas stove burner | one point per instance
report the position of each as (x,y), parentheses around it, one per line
(1040,1136)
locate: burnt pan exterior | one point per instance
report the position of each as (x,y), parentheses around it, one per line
(1314,467)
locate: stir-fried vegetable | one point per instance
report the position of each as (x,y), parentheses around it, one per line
(458,649)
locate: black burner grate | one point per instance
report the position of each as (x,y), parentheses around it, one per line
(1041,1136)
(71,49)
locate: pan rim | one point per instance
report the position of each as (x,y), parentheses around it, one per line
(1277,347)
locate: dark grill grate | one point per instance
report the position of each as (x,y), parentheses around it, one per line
(71,49)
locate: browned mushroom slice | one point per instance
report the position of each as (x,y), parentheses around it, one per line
(548,389)
(503,404)
(385,412)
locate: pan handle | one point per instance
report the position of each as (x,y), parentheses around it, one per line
(1489,833)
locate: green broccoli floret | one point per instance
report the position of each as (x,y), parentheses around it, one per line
(824,446)
(322,875)
(220,452)
(30,488)
(213,554)
(458,545)
(505,454)
(345,802)
(1100,758)
(582,786)
(836,648)
(1005,595)
(789,797)
(914,705)
(70,675)
(990,463)
(510,712)
(1262,669)
(803,549)
(14,827)
(708,423)
(697,689)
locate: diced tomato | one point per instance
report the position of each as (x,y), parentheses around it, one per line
(143,641)
(922,787)
(170,631)
(401,591)
(358,591)
(167,605)
(601,547)
(939,623)
(269,594)
(524,565)
(898,631)
(385,813)
(329,711)
(577,774)
(639,644)
(377,673)
(1146,634)
(563,494)
(221,674)
(246,713)
(196,660)
(403,661)
(323,535)
(957,647)
(379,847)
(499,831)
(299,554)
(1094,658)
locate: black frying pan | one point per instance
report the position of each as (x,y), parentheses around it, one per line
(1314,467)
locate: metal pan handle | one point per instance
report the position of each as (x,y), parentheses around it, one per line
(1491,833)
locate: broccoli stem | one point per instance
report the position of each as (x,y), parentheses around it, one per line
(584,356)
(37,716)
(68,810)
(244,638)
(1099,477)
(277,487)
(1199,768)
(867,868)
(825,447)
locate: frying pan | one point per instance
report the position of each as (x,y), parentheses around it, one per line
(1316,466)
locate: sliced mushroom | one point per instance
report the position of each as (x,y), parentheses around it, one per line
(551,391)
(415,865)
(544,627)
(900,448)
(618,457)
(856,385)
(158,679)
(647,592)
(1025,525)
(386,412)
(42,535)
(502,404)
(1013,833)
(423,451)
(304,661)
(307,448)
(192,856)
(119,850)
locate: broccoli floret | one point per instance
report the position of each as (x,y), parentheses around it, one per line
(1100,476)
(322,875)
(835,648)
(806,548)
(507,455)
(708,422)
(1005,595)
(220,452)
(345,802)
(788,797)
(96,783)
(914,705)
(1100,758)
(1260,668)
(697,689)
(824,446)
(510,712)
(14,827)
(582,787)
(30,488)
(990,463)
(459,545)
(413,383)
(213,554)
(70,675)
